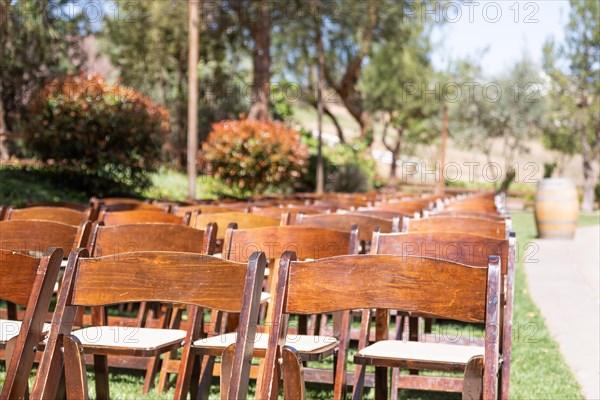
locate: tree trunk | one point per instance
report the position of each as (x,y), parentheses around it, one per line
(589,183)
(4,151)
(261,56)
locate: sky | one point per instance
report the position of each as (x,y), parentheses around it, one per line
(508,29)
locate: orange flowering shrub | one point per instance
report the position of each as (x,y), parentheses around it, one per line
(253,156)
(111,132)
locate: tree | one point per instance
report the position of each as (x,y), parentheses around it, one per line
(149,46)
(350,31)
(36,46)
(499,115)
(260,29)
(399,97)
(575,94)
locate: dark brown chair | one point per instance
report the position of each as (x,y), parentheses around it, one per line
(385,282)
(464,248)
(141,216)
(195,280)
(28,282)
(57,214)
(308,242)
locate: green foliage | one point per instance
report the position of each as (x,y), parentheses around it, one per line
(499,115)
(346,168)
(574,72)
(253,157)
(109,132)
(399,98)
(21,184)
(148,42)
(35,47)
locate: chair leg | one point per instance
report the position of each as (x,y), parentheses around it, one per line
(339,377)
(363,341)
(473,380)
(293,375)
(166,315)
(381,383)
(101,374)
(75,375)
(206,374)
(396,371)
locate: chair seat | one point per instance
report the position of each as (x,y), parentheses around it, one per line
(9,329)
(124,340)
(420,355)
(265,297)
(318,346)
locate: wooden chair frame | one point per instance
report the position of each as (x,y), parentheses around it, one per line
(56,214)
(27,281)
(468,249)
(305,287)
(196,280)
(141,216)
(484,227)
(117,239)
(273,241)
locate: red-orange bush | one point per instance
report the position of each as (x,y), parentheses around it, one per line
(253,156)
(105,131)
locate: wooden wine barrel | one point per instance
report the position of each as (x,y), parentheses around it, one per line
(556,208)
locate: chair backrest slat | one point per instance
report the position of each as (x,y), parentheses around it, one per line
(17,272)
(116,239)
(483,227)
(170,277)
(439,288)
(36,236)
(56,214)
(464,248)
(344,222)
(140,216)
(307,242)
(243,221)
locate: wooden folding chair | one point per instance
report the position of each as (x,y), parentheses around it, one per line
(479,226)
(372,212)
(292,212)
(465,248)
(308,243)
(29,282)
(243,221)
(202,209)
(34,237)
(56,214)
(141,216)
(117,240)
(61,204)
(195,280)
(405,206)
(385,282)
(344,222)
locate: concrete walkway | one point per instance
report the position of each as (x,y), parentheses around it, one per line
(563,279)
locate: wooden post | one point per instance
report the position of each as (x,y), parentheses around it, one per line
(441,184)
(192,132)
(321,78)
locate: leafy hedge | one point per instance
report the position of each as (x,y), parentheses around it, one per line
(109,133)
(252,157)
